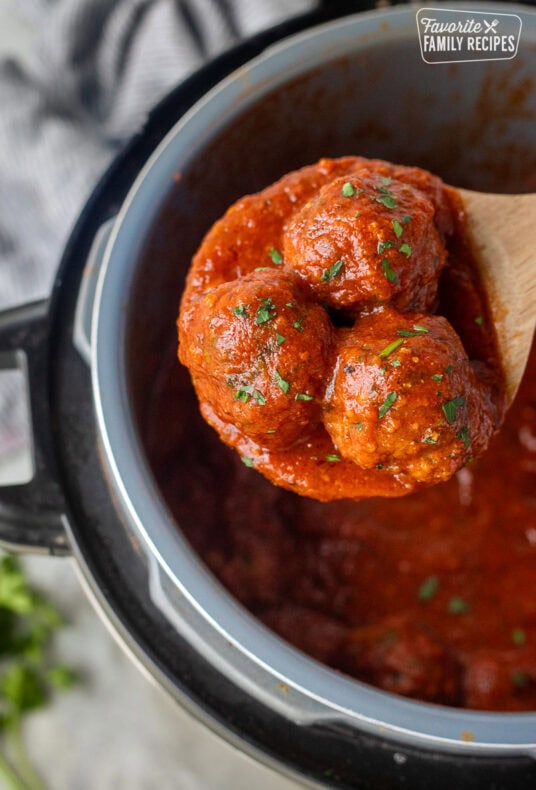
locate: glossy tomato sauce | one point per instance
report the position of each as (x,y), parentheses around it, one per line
(432,595)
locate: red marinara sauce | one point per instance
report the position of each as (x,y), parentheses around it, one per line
(431,595)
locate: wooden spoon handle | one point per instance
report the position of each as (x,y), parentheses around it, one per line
(502,230)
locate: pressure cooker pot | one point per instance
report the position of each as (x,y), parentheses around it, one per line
(95,353)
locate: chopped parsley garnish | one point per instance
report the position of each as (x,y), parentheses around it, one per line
(266,311)
(428,588)
(379,466)
(437,377)
(358,215)
(389,273)
(279,339)
(398,229)
(387,200)
(275,255)
(520,679)
(359,426)
(448,370)
(396,363)
(298,325)
(333,271)
(242,395)
(519,636)
(464,436)
(406,218)
(385,180)
(247,462)
(417,330)
(405,249)
(303,396)
(272,430)
(280,381)
(385,245)
(450,408)
(348,190)
(291,304)
(333,459)
(429,440)
(479,320)
(457,605)
(384,408)
(261,269)
(383,371)
(259,398)
(390,348)
(241,310)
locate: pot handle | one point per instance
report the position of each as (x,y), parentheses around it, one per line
(32,514)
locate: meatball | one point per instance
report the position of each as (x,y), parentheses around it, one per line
(403,658)
(370,237)
(258,349)
(404,397)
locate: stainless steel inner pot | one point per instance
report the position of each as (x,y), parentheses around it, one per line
(356,86)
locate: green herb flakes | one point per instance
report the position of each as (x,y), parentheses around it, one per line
(437,377)
(418,330)
(451,407)
(279,339)
(448,370)
(259,398)
(398,229)
(464,436)
(519,637)
(479,320)
(348,190)
(275,255)
(406,218)
(390,348)
(389,401)
(241,310)
(265,312)
(333,271)
(520,679)
(280,381)
(303,396)
(387,200)
(457,605)
(385,245)
(396,363)
(428,589)
(359,426)
(389,273)
(429,440)
(405,249)
(247,462)
(242,395)
(332,458)
(298,325)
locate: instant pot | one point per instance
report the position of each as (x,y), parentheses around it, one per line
(318,85)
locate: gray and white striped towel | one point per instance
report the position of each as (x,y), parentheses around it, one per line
(75,81)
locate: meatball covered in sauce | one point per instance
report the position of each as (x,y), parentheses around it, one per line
(258,348)
(404,397)
(368,238)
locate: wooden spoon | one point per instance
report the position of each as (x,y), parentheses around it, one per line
(502,231)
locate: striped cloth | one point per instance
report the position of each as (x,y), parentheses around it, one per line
(79,82)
